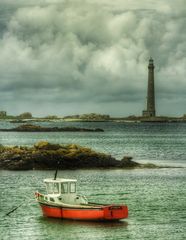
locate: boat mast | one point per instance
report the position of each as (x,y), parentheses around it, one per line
(55,176)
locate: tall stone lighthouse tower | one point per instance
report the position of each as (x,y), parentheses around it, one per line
(150,112)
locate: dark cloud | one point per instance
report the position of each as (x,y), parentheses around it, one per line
(65,54)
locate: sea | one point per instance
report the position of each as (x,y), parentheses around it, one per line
(156,198)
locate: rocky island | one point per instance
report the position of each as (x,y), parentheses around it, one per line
(35,128)
(47,156)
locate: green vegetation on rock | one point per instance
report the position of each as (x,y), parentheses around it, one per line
(45,155)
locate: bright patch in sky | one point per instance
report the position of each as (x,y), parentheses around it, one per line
(68,57)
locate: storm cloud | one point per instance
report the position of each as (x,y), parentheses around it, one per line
(68,57)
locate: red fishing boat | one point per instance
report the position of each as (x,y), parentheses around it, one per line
(62,201)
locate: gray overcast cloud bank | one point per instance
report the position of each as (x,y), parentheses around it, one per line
(67,57)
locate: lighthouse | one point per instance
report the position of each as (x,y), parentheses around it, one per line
(150,112)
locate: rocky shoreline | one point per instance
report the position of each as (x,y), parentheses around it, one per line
(35,128)
(47,156)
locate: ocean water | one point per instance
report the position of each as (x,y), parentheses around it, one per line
(156,197)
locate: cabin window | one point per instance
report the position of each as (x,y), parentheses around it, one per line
(64,187)
(56,187)
(72,187)
(50,188)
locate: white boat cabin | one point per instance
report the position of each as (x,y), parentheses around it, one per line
(63,190)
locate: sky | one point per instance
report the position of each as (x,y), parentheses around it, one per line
(65,57)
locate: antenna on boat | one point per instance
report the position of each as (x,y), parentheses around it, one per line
(55,176)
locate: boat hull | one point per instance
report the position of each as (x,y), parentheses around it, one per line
(100,213)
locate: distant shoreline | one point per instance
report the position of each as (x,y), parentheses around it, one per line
(115,120)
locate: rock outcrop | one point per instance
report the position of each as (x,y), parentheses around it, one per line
(35,128)
(45,155)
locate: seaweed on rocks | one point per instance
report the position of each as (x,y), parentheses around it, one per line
(44,155)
